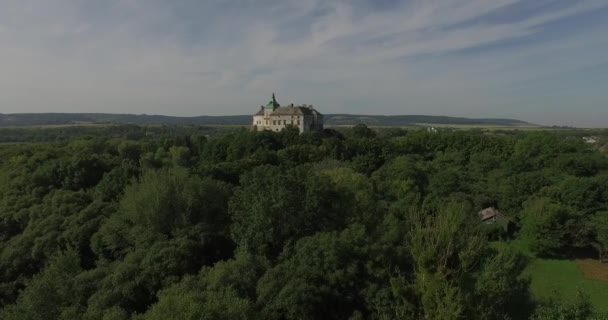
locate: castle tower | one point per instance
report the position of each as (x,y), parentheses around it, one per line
(271,106)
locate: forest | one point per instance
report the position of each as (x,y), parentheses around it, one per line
(185,222)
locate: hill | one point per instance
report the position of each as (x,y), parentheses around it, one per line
(24,119)
(400,120)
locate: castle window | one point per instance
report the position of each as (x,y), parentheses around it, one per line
(298,122)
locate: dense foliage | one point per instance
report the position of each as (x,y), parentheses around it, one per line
(358,224)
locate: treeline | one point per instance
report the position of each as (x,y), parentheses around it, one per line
(106,131)
(29,119)
(38,119)
(263,225)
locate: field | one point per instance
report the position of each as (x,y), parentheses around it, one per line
(563,277)
(484,127)
(566,277)
(456,127)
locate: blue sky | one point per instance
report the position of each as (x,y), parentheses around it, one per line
(544,61)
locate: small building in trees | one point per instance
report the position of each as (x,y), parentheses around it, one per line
(591,140)
(492,215)
(275,117)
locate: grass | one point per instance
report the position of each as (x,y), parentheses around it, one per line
(565,277)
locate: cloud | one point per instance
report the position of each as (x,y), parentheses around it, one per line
(188,57)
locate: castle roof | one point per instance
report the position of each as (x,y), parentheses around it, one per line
(291,111)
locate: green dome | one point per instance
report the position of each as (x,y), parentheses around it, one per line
(272,104)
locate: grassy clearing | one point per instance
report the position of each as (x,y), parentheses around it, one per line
(564,277)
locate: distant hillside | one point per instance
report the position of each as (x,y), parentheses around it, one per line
(24,119)
(349,119)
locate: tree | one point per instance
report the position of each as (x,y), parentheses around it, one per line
(445,249)
(274,206)
(321,277)
(353,194)
(52,294)
(600,227)
(556,308)
(180,156)
(447,270)
(500,290)
(167,200)
(362,131)
(224,291)
(130,150)
(299,154)
(112,184)
(543,226)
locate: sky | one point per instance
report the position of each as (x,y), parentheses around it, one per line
(542,61)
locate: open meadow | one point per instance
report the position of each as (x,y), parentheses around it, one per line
(566,277)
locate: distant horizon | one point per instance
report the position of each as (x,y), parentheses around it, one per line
(543,61)
(331,113)
(243,114)
(327,114)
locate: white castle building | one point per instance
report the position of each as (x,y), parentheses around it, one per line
(274,117)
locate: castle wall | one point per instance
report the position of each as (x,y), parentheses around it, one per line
(277,123)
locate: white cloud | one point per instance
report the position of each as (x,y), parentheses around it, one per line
(217,57)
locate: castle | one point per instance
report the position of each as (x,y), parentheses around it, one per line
(274,117)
